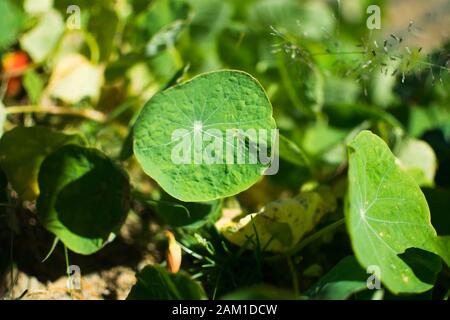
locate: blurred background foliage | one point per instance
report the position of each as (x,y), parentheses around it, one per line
(325,73)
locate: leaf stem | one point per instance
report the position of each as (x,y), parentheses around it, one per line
(90,114)
(69,277)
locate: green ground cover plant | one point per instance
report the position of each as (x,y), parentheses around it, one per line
(339,186)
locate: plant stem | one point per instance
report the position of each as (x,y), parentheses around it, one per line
(85,113)
(69,277)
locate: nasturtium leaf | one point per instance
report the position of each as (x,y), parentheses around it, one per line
(386,214)
(200,163)
(22,151)
(346,278)
(40,41)
(156,283)
(280,224)
(84,197)
(419,160)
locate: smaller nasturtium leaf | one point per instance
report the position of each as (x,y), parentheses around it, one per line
(281,224)
(208,138)
(84,197)
(387,214)
(346,278)
(419,160)
(156,283)
(22,151)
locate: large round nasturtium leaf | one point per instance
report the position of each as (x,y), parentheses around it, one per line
(84,197)
(387,214)
(22,151)
(180,137)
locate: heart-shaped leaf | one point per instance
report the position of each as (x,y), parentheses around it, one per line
(387,214)
(84,197)
(181,138)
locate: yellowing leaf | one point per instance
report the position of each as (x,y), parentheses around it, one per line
(281,224)
(41,40)
(75,78)
(419,160)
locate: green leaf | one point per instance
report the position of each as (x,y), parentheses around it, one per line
(34,86)
(346,278)
(387,214)
(419,160)
(292,153)
(10,24)
(304,83)
(42,39)
(223,101)
(21,164)
(103,26)
(209,18)
(156,283)
(84,197)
